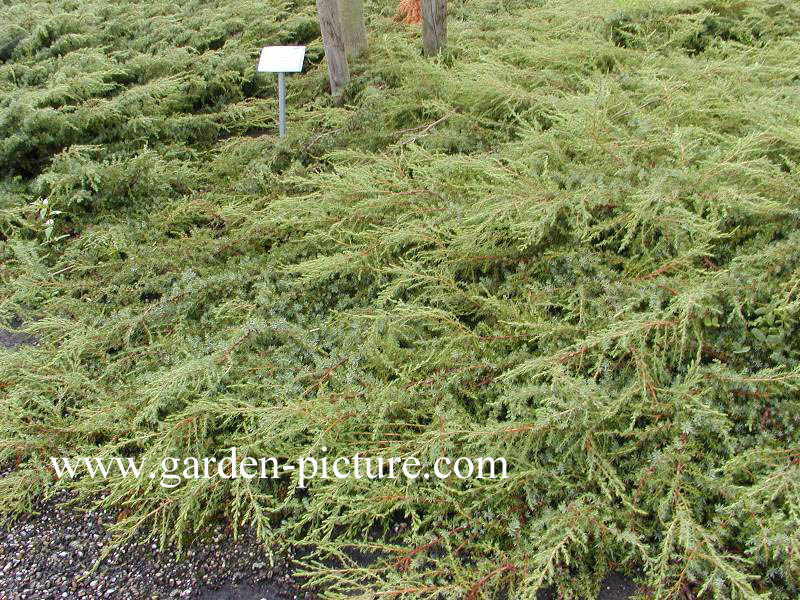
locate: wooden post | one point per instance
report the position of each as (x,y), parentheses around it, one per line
(354,30)
(434,26)
(331,28)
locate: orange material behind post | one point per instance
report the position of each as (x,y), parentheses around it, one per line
(409,12)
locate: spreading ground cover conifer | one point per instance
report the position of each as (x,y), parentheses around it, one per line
(571,241)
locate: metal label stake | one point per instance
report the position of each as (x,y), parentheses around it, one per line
(281,60)
(282,102)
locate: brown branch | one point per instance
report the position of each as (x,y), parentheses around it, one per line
(473,592)
(431,380)
(606,150)
(404,562)
(412,193)
(570,355)
(322,378)
(426,129)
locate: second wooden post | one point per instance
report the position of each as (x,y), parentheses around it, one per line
(333,40)
(434,26)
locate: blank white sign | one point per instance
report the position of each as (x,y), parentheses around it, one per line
(281,59)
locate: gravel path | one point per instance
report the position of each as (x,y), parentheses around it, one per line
(50,556)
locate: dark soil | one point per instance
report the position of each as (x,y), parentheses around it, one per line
(10,338)
(617,587)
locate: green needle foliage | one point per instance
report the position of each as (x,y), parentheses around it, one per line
(572,241)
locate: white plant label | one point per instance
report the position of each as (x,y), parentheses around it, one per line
(281,59)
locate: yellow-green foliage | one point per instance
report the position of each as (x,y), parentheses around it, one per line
(572,241)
